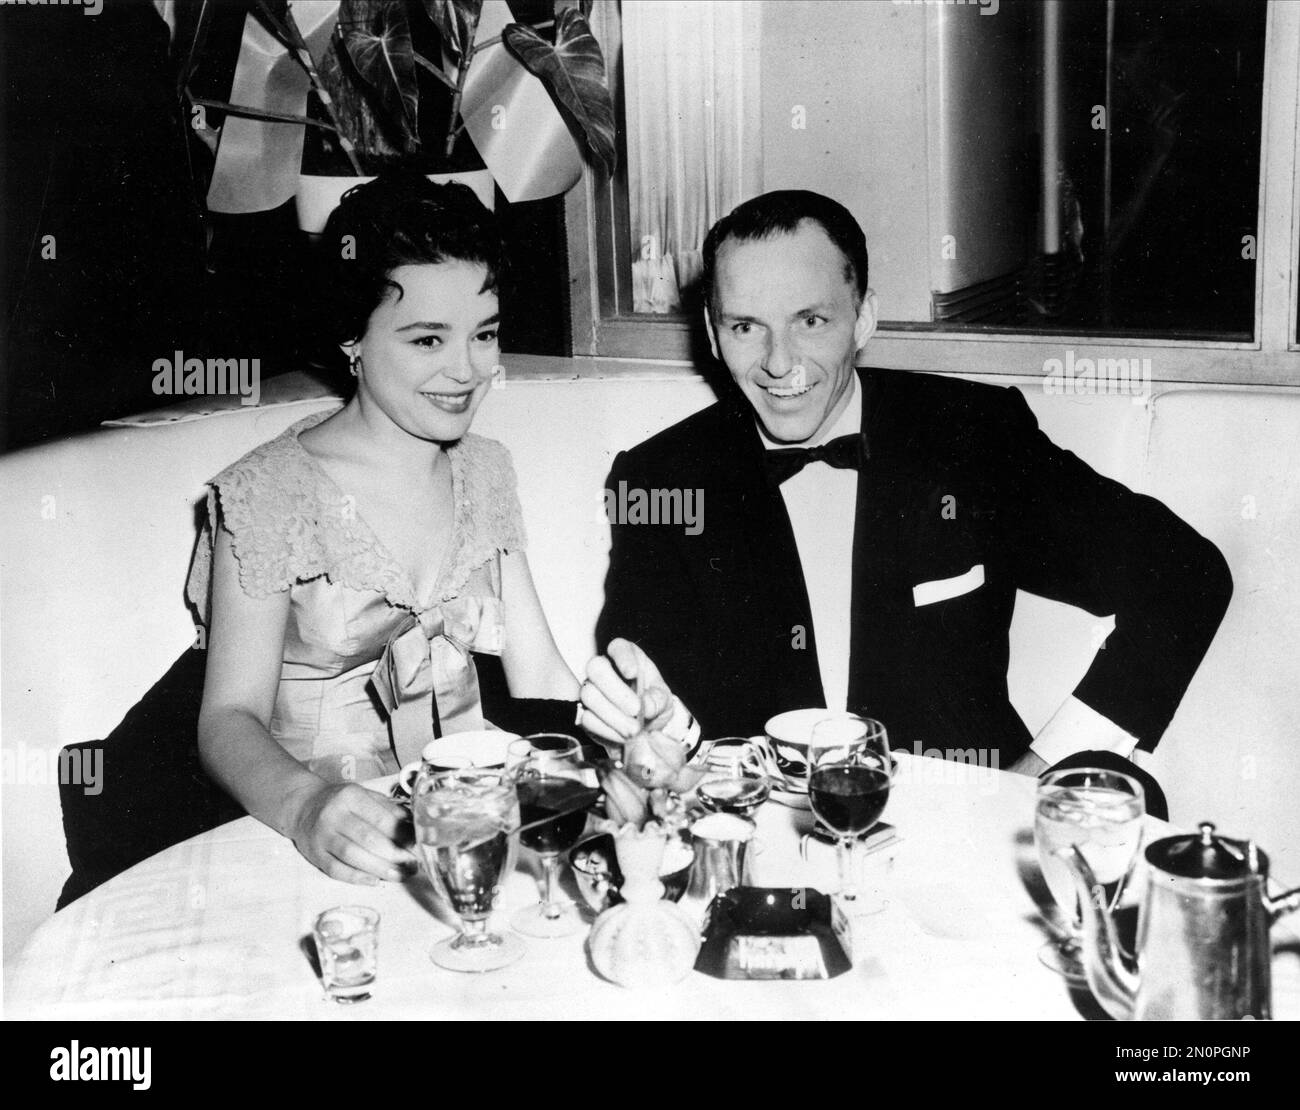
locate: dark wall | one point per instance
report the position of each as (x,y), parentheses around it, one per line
(93,154)
(95,151)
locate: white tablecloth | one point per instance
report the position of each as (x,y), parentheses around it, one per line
(218,927)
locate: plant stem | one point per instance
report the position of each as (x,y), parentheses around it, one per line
(183,93)
(200,36)
(260,113)
(424,63)
(300,54)
(462,75)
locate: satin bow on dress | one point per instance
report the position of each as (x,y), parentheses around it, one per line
(425,678)
(371,670)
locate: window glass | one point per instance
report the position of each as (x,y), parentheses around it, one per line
(1068,167)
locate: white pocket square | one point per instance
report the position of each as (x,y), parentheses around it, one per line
(941,589)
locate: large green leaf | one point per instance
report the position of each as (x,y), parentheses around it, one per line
(574,71)
(453,19)
(352,107)
(377,39)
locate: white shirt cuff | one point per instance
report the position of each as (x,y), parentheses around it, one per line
(1077,727)
(683,727)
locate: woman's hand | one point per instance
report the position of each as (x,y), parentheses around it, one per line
(352,834)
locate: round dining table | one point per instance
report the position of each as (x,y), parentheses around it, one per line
(219,926)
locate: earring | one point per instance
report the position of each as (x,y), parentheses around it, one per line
(354,361)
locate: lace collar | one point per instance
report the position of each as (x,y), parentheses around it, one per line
(361,560)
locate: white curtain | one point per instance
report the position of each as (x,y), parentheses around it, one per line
(693,133)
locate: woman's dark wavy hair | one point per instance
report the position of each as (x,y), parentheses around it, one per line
(399,219)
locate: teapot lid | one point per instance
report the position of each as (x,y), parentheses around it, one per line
(1205,855)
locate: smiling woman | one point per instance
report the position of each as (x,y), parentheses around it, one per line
(351,566)
(427,376)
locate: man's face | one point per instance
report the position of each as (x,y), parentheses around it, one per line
(787,323)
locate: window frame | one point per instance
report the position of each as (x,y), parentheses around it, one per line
(603,328)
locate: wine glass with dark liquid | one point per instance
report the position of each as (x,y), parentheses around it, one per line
(465,822)
(550,778)
(850,774)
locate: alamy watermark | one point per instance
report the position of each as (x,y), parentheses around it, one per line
(684,507)
(89,1063)
(25,766)
(951,766)
(188,377)
(91,7)
(1080,377)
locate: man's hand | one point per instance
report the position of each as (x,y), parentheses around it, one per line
(609,703)
(352,834)
(1029,764)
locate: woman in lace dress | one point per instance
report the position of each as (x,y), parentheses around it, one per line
(351,565)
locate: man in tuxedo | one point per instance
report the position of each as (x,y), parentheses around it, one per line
(865,532)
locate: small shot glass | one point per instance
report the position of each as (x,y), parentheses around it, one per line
(347,944)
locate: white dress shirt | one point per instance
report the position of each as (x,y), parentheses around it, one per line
(821,501)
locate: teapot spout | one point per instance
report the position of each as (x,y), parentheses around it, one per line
(1112,976)
(1282,905)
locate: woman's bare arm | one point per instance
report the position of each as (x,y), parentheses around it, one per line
(533,664)
(344,829)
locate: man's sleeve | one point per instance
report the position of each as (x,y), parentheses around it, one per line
(1090,541)
(647,595)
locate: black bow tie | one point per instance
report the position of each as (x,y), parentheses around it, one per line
(843,453)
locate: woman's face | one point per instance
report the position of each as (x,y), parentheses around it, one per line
(428,355)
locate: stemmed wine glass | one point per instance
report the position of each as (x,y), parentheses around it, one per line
(465,822)
(735,779)
(1100,813)
(551,779)
(850,773)
(848,731)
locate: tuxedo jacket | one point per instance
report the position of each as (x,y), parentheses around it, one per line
(961,502)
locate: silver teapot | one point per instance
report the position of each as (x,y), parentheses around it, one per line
(1203,948)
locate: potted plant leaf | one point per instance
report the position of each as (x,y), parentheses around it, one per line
(425,84)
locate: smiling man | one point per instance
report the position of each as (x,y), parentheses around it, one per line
(867,532)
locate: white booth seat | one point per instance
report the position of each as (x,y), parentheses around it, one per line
(99,530)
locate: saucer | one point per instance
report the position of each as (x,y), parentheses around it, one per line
(793,799)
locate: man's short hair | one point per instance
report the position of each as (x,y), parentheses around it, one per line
(781,213)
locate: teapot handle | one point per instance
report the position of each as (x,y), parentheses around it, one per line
(1282,905)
